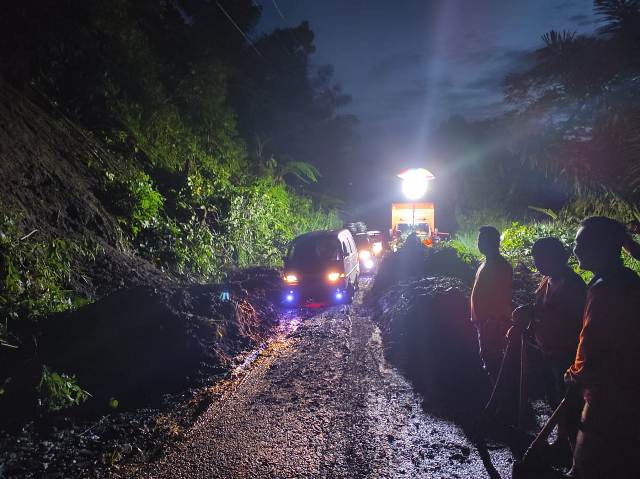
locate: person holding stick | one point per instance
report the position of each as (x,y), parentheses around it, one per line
(607,363)
(555,319)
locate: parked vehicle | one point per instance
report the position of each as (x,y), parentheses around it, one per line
(414,217)
(321,266)
(367,258)
(379,243)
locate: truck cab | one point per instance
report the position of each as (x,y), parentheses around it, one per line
(409,217)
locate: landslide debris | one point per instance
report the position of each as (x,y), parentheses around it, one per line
(159,352)
(139,343)
(421,302)
(47,179)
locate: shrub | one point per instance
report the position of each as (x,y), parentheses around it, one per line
(470,222)
(59,391)
(136,201)
(466,247)
(36,274)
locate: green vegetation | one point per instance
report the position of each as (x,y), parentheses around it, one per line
(37,275)
(59,391)
(217,149)
(518,239)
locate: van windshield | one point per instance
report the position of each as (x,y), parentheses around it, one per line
(314,250)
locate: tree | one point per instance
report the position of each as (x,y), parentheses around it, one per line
(579,103)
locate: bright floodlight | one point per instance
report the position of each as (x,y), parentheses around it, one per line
(415,182)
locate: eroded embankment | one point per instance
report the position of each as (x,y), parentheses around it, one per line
(421,302)
(153,348)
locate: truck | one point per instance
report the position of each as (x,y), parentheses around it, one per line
(418,217)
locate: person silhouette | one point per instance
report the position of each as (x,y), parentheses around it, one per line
(491,301)
(606,364)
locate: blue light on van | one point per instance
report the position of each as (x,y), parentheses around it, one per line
(289,296)
(338,295)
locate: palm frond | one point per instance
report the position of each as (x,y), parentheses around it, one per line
(301,170)
(619,17)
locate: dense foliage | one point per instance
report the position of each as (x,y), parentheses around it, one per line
(217,135)
(219,140)
(571,129)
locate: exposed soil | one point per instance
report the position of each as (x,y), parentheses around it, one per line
(161,350)
(319,400)
(46,177)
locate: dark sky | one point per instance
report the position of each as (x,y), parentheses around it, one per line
(409,64)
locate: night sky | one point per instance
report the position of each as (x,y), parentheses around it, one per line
(410,64)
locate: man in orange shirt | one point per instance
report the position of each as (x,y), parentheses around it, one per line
(607,362)
(491,300)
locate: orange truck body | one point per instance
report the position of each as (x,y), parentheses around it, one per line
(403,213)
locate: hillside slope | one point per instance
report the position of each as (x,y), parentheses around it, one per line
(48,183)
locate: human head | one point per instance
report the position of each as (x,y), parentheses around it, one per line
(549,255)
(489,240)
(599,243)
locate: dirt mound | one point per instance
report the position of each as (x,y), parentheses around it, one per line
(428,335)
(418,262)
(136,344)
(422,301)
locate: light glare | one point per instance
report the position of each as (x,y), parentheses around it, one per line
(364,254)
(333,277)
(414,187)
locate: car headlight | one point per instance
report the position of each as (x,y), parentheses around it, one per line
(377,248)
(364,254)
(291,278)
(333,276)
(369,264)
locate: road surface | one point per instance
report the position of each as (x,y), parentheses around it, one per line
(321,402)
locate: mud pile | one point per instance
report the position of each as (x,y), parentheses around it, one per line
(421,298)
(418,262)
(137,344)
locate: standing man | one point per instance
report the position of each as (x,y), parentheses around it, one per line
(557,312)
(607,363)
(556,320)
(491,300)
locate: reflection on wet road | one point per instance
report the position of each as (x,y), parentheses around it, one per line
(321,402)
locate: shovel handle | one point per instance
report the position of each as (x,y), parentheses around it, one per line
(546,429)
(522,396)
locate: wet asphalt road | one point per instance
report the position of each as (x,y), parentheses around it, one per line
(321,402)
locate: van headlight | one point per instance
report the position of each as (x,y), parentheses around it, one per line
(291,278)
(333,276)
(364,254)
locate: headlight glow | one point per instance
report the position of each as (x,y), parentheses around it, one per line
(291,278)
(377,248)
(364,254)
(333,276)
